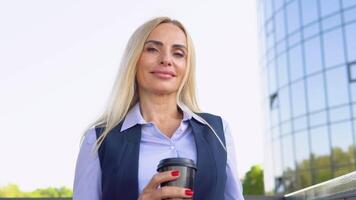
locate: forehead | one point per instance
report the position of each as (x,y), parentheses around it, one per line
(168,33)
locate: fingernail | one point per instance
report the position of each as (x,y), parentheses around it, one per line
(189,192)
(175,173)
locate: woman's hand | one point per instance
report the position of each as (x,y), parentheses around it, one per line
(152,192)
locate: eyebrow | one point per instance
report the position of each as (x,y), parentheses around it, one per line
(159,43)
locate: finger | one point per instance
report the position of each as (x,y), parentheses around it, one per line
(174,192)
(162,177)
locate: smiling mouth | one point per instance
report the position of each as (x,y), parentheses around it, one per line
(163,75)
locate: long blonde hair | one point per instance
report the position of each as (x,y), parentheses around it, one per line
(124,94)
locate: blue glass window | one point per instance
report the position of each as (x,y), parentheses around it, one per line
(298,98)
(348,3)
(334,49)
(278,4)
(294,39)
(270,41)
(282,70)
(281,47)
(277,158)
(316,94)
(272,77)
(320,145)
(341,139)
(275,132)
(300,123)
(329,6)
(274,116)
(268,7)
(302,150)
(296,63)
(331,22)
(340,113)
(349,15)
(288,157)
(284,104)
(310,11)
(337,85)
(280,26)
(286,127)
(293,16)
(351,42)
(313,55)
(317,119)
(311,30)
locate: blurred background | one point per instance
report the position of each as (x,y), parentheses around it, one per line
(281,72)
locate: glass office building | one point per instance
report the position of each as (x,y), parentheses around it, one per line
(308,61)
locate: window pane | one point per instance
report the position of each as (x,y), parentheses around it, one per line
(275,132)
(296,63)
(298,98)
(313,55)
(320,147)
(286,128)
(310,11)
(334,49)
(353,93)
(348,3)
(294,39)
(272,78)
(282,70)
(351,42)
(338,114)
(284,104)
(337,84)
(300,123)
(316,97)
(268,7)
(342,143)
(277,156)
(274,116)
(317,119)
(311,30)
(293,16)
(329,6)
(280,25)
(288,158)
(349,15)
(281,47)
(278,4)
(302,150)
(331,22)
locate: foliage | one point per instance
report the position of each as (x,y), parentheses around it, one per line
(253,182)
(12,190)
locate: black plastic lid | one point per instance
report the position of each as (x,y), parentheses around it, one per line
(176,162)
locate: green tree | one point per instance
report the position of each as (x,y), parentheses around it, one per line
(12,190)
(253,182)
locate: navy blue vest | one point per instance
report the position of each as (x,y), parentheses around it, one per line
(119,155)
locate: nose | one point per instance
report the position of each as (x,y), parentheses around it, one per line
(166,60)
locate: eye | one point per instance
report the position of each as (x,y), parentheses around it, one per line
(178,54)
(151,49)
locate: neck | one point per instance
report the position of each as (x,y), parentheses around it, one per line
(159,108)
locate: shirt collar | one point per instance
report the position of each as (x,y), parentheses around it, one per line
(134,117)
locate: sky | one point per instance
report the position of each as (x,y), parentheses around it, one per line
(58,61)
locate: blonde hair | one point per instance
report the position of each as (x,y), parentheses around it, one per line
(124,94)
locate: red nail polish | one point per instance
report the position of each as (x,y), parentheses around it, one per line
(189,192)
(175,173)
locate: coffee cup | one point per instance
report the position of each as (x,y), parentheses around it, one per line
(186,168)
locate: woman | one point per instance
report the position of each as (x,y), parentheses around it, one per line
(152,115)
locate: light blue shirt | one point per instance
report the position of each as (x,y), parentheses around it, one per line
(154,146)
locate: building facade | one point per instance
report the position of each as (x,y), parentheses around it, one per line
(308,61)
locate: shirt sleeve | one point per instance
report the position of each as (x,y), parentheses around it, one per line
(87,179)
(233,188)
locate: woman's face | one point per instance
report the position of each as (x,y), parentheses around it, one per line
(163,61)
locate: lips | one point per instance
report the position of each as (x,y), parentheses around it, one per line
(163,73)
